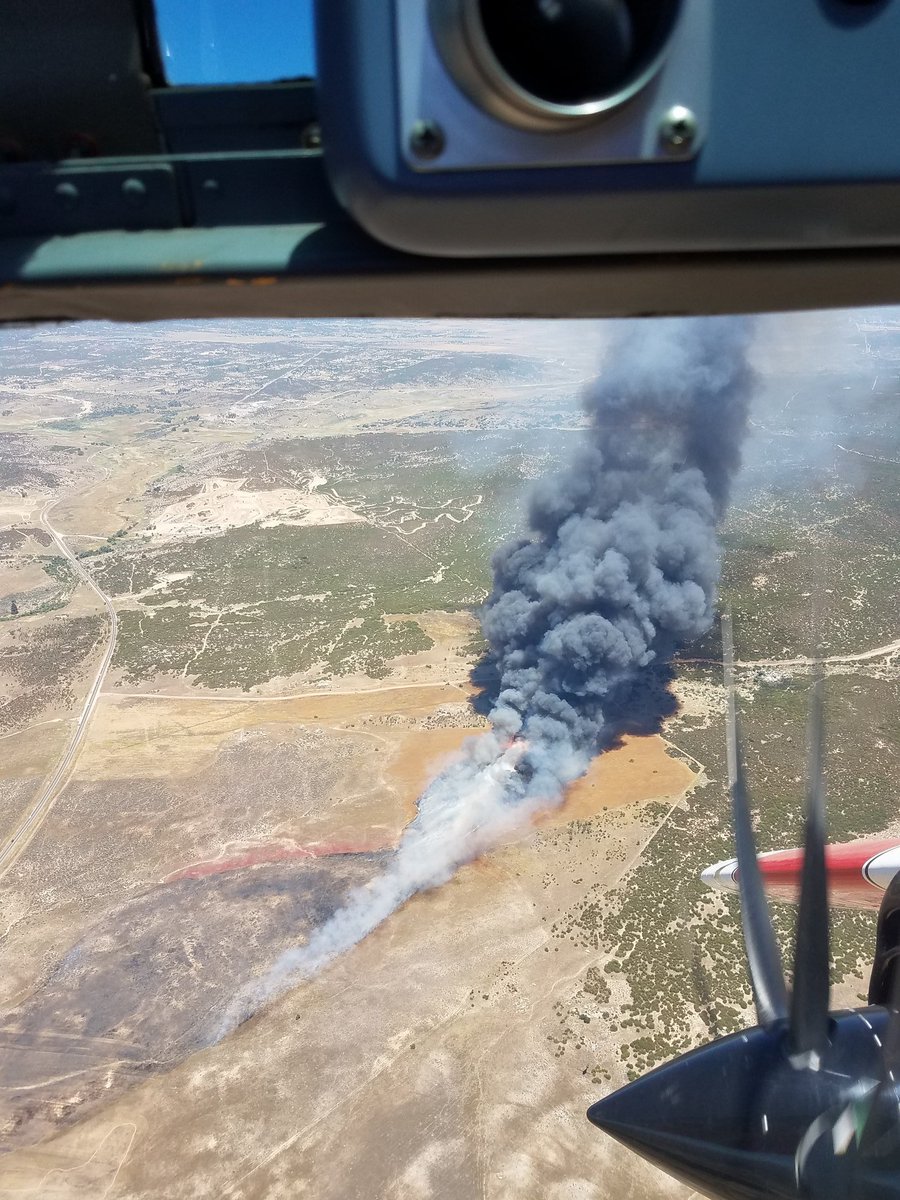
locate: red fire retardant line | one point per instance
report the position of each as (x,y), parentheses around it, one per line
(269,854)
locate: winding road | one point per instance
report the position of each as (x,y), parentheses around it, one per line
(31,822)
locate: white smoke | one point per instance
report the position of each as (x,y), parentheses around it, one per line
(476,801)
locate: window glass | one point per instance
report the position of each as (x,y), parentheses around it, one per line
(235,41)
(311,881)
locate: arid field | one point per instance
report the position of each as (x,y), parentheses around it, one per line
(240,572)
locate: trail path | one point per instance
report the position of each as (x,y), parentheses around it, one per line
(320,693)
(886,651)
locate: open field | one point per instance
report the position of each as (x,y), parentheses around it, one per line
(315,769)
(293,524)
(494,917)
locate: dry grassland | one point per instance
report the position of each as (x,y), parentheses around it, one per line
(33,752)
(165,738)
(419,1064)
(16,509)
(21,577)
(111,503)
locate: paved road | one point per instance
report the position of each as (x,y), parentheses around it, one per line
(31,822)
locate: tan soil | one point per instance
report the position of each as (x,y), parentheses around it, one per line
(21,577)
(33,751)
(112,503)
(16,509)
(422,1063)
(134,737)
(225,504)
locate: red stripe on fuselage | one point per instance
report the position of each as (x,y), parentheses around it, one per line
(847,883)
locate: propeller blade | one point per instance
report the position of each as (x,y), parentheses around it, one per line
(809,999)
(891,1044)
(763,959)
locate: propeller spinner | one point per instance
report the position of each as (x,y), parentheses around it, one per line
(805,1103)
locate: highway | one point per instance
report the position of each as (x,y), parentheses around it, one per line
(31,822)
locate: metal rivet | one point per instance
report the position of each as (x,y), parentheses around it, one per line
(678,128)
(134,191)
(68,195)
(426,140)
(210,185)
(311,136)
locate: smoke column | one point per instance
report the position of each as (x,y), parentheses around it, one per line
(620,568)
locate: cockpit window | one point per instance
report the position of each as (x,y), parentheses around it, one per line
(234,41)
(362,731)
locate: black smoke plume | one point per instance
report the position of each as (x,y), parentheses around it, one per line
(622,561)
(619,569)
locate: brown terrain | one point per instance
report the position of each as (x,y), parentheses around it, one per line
(222,830)
(105,1027)
(180,803)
